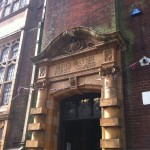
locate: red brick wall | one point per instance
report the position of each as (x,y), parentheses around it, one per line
(18,109)
(137,115)
(62,15)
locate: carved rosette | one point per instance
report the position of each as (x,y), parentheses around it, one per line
(41,84)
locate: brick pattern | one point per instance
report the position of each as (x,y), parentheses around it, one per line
(18,108)
(67,14)
(137,116)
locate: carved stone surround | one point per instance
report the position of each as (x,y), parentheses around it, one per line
(71,75)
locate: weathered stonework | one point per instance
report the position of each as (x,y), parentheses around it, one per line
(74,73)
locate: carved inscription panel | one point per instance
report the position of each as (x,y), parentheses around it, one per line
(76,65)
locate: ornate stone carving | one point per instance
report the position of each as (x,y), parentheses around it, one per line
(73,82)
(42,72)
(77,44)
(108,55)
(41,84)
(106,71)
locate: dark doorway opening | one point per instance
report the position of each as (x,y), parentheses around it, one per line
(79,123)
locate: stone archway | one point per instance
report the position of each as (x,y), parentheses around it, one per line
(54,111)
(75,61)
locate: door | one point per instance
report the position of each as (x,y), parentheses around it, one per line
(79,124)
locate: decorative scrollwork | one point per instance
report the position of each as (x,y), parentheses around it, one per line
(77,44)
(106,71)
(41,84)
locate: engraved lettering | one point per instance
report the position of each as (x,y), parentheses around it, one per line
(76,65)
(63,68)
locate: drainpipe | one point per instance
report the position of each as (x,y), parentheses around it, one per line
(39,35)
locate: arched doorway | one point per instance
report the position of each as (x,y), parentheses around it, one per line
(78,61)
(79,122)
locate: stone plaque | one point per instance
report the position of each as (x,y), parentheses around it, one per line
(77,65)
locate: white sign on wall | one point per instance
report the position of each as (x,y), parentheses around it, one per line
(68,146)
(146,98)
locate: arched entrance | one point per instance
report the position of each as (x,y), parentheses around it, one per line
(78,61)
(79,122)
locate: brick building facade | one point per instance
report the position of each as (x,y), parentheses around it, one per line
(107,17)
(80,42)
(135,30)
(104,17)
(19,21)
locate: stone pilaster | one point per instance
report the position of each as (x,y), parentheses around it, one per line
(111,121)
(38,126)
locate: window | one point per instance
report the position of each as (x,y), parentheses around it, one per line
(10,6)
(0,12)
(7,69)
(1,74)
(1,132)
(23,2)
(10,73)
(8,2)
(7,11)
(6,94)
(4,55)
(1,3)
(15,6)
(15,50)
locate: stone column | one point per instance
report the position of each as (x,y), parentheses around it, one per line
(111,114)
(52,123)
(39,119)
(39,124)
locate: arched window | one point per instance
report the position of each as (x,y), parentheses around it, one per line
(10,73)
(4,55)
(15,50)
(6,94)
(1,74)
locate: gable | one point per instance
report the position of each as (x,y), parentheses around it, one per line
(71,42)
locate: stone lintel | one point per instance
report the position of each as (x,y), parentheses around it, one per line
(110,122)
(110,143)
(36,126)
(109,102)
(34,144)
(38,111)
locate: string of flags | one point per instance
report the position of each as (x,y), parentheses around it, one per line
(20,91)
(144,61)
(115,72)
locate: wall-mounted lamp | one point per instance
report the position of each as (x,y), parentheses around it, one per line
(136,11)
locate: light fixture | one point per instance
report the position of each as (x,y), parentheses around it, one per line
(136,11)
